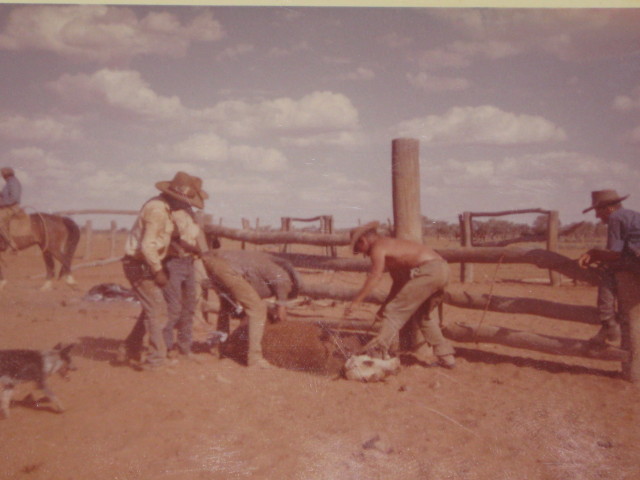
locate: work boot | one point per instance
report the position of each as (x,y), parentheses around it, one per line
(608,333)
(447,361)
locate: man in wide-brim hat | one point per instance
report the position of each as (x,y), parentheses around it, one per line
(622,253)
(418,272)
(146,250)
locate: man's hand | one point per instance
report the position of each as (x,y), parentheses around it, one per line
(160,278)
(585,260)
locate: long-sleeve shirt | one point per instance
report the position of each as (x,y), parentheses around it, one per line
(188,231)
(623,233)
(11,192)
(150,236)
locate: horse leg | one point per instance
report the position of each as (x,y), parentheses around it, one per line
(65,255)
(65,269)
(50,266)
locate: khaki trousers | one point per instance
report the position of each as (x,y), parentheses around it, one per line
(411,294)
(231,283)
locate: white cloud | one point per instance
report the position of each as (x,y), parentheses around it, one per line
(568,34)
(359,74)
(486,125)
(258,159)
(103,33)
(395,40)
(235,51)
(210,148)
(202,148)
(634,135)
(38,128)
(318,113)
(437,83)
(279,52)
(123,90)
(628,102)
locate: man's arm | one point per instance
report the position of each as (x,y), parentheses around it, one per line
(378,255)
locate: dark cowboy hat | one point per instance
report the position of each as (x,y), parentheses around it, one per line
(358,232)
(186,188)
(604,198)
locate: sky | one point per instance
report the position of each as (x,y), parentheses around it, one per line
(291,111)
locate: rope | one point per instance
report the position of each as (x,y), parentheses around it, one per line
(486,307)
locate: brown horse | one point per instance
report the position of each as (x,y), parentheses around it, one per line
(57,238)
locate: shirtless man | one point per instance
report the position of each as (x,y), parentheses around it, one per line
(417,272)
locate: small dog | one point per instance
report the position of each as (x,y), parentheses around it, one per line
(365,368)
(18,366)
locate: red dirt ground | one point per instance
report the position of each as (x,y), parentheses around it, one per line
(501,414)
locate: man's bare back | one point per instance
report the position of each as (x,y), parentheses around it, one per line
(400,254)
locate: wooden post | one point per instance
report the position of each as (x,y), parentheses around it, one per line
(466,269)
(405,180)
(88,235)
(326,226)
(113,233)
(628,284)
(245,226)
(405,177)
(553,224)
(285,226)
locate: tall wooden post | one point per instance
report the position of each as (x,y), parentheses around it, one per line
(466,269)
(405,178)
(553,224)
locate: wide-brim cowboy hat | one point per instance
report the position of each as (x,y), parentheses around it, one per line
(358,232)
(185,188)
(604,198)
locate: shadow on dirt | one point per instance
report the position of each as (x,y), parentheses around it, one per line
(478,356)
(99,349)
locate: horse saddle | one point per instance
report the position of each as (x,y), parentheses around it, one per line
(20,224)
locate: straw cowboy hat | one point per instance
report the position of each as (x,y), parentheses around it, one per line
(358,232)
(186,188)
(604,198)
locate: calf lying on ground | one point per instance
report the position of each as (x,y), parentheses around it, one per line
(365,368)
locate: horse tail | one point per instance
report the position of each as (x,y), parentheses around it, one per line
(293,275)
(70,245)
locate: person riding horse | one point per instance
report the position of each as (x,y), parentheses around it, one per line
(9,203)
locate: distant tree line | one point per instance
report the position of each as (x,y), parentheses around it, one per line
(495,229)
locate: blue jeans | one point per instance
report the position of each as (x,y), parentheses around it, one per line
(180,295)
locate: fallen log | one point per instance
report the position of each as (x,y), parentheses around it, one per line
(532,341)
(530,306)
(538,257)
(463,299)
(262,237)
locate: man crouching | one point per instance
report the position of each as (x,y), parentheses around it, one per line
(417,272)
